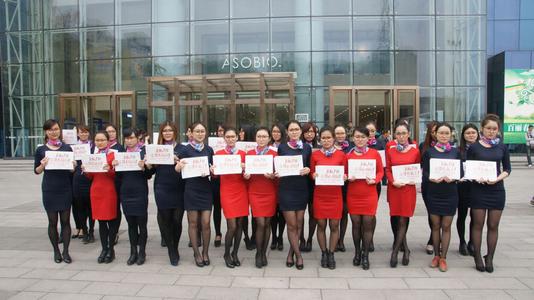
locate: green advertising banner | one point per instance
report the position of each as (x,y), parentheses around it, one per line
(518,104)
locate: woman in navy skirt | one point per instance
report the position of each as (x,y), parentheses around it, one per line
(469,137)
(293,191)
(56,190)
(441,196)
(80,187)
(198,194)
(134,199)
(488,197)
(169,193)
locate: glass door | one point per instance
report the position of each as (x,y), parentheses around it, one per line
(69,111)
(407,107)
(341,106)
(373,105)
(102,112)
(125,111)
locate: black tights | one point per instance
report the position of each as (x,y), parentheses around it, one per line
(321,234)
(441,234)
(81,211)
(137,231)
(493,220)
(312,224)
(460,222)
(217,217)
(344,221)
(193,218)
(170,226)
(233,235)
(394,221)
(294,227)
(400,235)
(108,232)
(263,232)
(245,229)
(278,222)
(362,226)
(53,235)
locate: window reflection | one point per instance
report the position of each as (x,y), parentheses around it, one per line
(372,33)
(327,8)
(282,8)
(250,36)
(170,39)
(373,8)
(210,64)
(210,37)
(460,33)
(61,13)
(290,34)
(134,11)
(100,43)
(250,8)
(414,68)
(134,73)
(170,66)
(299,62)
(460,7)
(460,67)
(414,33)
(331,68)
(63,77)
(371,68)
(99,13)
(331,33)
(210,9)
(414,7)
(100,75)
(170,10)
(135,41)
(63,46)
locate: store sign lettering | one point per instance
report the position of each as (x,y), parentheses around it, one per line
(248,62)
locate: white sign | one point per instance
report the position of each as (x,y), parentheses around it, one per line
(302,118)
(383,157)
(59,160)
(94,163)
(80,151)
(127,161)
(227,164)
(288,165)
(407,173)
(159,154)
(440,168)
(195,167)
(480,170)
(362,168)
(216,143)
(246,146)
(69,136)
(259,164)
(329,175)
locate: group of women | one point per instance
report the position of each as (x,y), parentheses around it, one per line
(274,200)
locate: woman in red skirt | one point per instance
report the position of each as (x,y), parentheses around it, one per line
(401,196)
(362,197)
(262,197)
(104,199)
(234,200)
(327,199)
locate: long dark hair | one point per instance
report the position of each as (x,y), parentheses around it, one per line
(305,128)
(429,138)
(162,126)
(282,129)
(463,142)
(48,124)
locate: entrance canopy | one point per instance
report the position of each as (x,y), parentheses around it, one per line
(240,100)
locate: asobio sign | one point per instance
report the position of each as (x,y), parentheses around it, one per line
(518,104)
(251,62)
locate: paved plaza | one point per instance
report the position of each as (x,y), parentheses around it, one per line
(27,270)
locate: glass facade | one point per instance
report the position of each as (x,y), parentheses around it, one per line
(59,46)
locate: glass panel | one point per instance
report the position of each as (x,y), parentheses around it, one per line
(276,113)
(427,106)
(460,33)
(461,68)
(372,8)
(170,10)
(406,100)
(173,65)
(62,77)
(189,115)
(247,115)
(135,41)
(209,64)
(160,115)
(331,33)
(61,13)
(414,33)
(134,11)
(331,68)
(527,9)
(210,37)
(98,13)
(63,46)
(374,106)
(31,46)
(250,36)
(210,9)
(290,34)
(414,67)
(170,39)
(526,42)
(324,8)
(100,76)
(102,112)
(507,9)
(141,114)
(126,114)
(414,7)
(218,114)
(342,106)
(100,43)
(250,8)
(299,62)
(506,37)
(373,68)
(460,104)
(282,8)
(460,7)
(71,113)
(372,33)
(134,73)
(31,17)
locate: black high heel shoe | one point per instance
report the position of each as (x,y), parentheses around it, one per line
(274,244)
(393,260)
(206,262)
(57,257)
(309,245)
(489,264)
(372,247)
(280,244)
(406,258)
(258,260)
(110,256)
(200,263)
(235,259)
(291,263)
(264,260)
(331,261)
(324,259)
(479,265)
(141,257)
(301,265)
(357,259)
(228,261)
(365,262)
(463,249)
(217,242)
(66,257)
(102,256)
(471,248)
